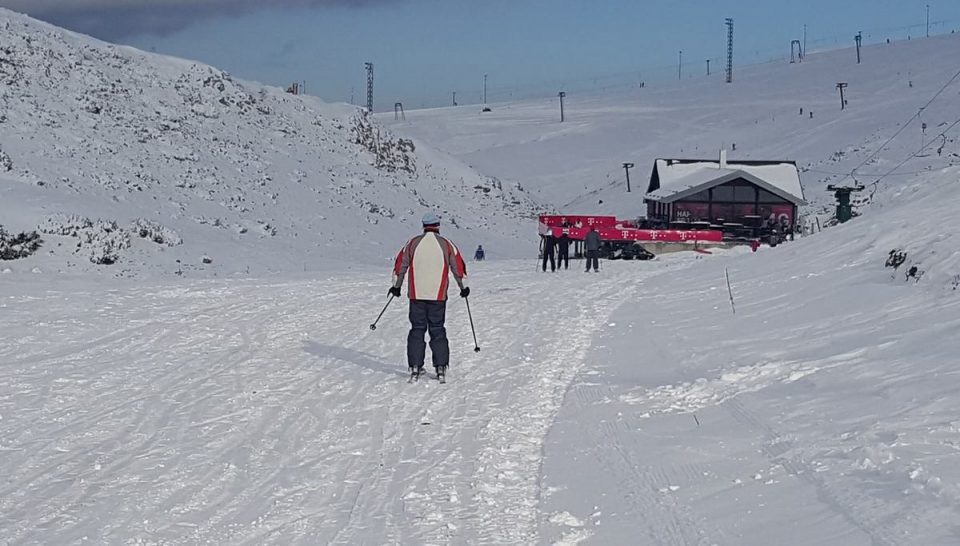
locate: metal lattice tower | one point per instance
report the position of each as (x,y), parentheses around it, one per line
(369,67)
(729,23)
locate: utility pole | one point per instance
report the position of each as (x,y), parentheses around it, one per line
(708,67)
(729,23)
(680,67)
(928,20)
(843,103)
(858,38)
(561,95)
(369,67)
(627,167)
(804,52)
(454,98)
(351,94)
(484,89)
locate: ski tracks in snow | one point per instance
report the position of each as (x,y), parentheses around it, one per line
(251,413)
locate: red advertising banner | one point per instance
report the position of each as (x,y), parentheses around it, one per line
(579,221)
(644,235)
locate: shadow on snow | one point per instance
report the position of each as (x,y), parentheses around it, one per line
(353,356)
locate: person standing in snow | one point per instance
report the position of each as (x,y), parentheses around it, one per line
(563,250)
(592,242)
(479,255)
(548,247)
(429,258)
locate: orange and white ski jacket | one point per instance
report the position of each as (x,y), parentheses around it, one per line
(428,258)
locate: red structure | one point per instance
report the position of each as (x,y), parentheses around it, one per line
(613,230)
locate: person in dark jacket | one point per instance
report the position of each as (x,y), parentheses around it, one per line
(563,250)
(592,242)
(480,254)
(548,248)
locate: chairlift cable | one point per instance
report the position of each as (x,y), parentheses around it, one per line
(904,126)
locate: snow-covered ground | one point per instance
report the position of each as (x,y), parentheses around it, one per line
(248,412)
(630,406)
(825,411)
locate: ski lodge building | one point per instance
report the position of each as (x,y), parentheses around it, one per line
(738,197)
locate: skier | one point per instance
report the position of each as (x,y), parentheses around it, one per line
(479,255)
(563,250)
(592,243)
(429,258)
(548,244)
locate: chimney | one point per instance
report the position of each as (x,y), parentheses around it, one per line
(723,158)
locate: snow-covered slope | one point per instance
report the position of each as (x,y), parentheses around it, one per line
(626,407)
(630,406)
(823,411)
(765,114)
(248,177)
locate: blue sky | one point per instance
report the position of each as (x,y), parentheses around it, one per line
(425,49)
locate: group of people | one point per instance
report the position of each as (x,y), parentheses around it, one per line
(560,246)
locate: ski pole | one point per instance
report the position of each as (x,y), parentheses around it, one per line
(539,255)
(374,325)
(726,273)
(476,346)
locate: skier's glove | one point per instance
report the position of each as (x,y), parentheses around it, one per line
(394,291)
(465,291)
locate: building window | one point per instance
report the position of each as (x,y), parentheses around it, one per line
(723,194)
(767,197)
(744,194)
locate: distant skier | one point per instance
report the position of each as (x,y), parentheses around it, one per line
(563,250)
(429,258)
(479,255)
(548,252)
(592,242)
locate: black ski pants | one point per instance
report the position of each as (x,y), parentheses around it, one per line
(426,315)
(548,254)
(563,258)
(593,258)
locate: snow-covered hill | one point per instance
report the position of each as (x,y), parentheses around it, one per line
(143,160)
(765,114)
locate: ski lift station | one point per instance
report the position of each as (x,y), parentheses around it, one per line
(697,203)
(739,198)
